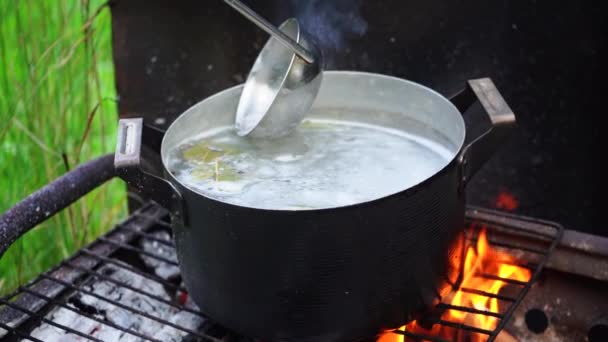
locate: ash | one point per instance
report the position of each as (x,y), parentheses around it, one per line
(161,269)
(108,312)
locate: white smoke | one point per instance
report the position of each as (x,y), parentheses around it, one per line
(331,23)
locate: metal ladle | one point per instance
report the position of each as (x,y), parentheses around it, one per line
(283,82)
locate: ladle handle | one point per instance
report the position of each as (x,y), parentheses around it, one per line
(271,29)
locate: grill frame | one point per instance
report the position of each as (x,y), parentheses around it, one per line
(26,307)
(517,228)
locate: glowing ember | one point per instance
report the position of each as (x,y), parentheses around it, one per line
(505,200)
(480,259)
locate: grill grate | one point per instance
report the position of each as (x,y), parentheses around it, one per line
(525,238)
(72,290)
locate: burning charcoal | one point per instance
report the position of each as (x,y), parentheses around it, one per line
(161,268)
(185,299)
(104,310)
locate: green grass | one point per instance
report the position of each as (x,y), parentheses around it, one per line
(57,109)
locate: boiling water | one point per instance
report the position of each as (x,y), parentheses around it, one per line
(323,164)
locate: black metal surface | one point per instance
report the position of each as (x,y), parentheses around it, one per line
(569,317)
(320,275)
(53,197)
(544,55)
(30,304)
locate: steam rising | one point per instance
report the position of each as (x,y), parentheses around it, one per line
(331,23)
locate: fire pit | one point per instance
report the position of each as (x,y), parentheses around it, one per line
(126,286)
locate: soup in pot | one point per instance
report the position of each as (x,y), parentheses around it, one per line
(322,164)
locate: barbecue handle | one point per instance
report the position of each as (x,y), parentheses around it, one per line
(502,119)
(53,197)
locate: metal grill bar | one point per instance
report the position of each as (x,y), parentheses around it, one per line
(48,321)
(129,268)
(141,251)
(89,316)
(129,287)
(469,310)
(148,236)
(150,218)
(506,280)
(126,307)
(488,294)
(18,332)
(509,246)
(530,266)
(510,222)
(462,326)
(420,337)
(526,231)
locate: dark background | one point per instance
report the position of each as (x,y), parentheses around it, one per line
(546,57)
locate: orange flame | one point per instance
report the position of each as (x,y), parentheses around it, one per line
(479,259)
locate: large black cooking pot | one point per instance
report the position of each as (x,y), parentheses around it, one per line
(331,274)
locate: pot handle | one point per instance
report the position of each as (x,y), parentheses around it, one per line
(128,165)
(477,152)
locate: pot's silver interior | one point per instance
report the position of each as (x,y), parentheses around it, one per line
(344,95)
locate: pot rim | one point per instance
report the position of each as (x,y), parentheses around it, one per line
(414,187)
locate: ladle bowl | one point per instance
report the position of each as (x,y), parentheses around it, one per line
(280,88)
